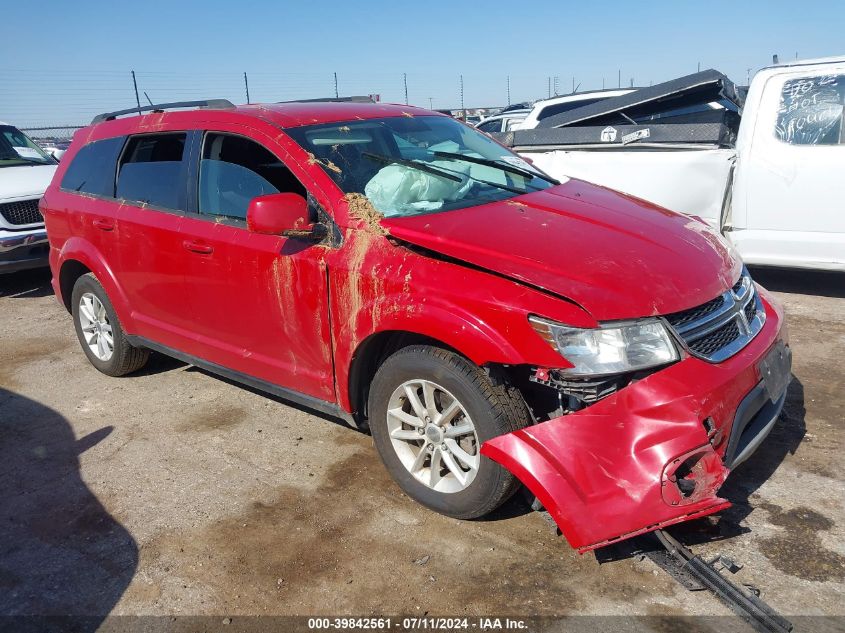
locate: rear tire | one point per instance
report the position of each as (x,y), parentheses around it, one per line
(99,331)
(430,410)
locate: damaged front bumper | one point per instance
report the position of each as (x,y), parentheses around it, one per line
(656,452)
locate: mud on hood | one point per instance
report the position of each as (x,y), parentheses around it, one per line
(617,256)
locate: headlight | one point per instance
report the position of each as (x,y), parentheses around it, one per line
(609,349)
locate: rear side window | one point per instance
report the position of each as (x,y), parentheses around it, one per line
(152,170)
(811,111)
(92,169)
(234,170)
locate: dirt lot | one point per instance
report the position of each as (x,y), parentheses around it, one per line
(175,492)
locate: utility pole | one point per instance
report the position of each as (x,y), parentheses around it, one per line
(509,89)
(463,109)
(699,67)
(602,83)
(619,78)
(137,98)
(405,81)
(246,87)
(335,86)
(747,76)
(550,87)
(430,103)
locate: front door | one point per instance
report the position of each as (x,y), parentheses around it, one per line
(259,303)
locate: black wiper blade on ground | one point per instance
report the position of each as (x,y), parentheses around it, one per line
(388,160)
(488,162)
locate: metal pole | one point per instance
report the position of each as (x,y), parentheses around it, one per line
(699,66)
(246,87)
(619,78)
(431,103)
(602,83)
(509,89)
(148,97)
(405,81)
(336,95)
(137,98)
(573,85)
(463,109)
(550,87)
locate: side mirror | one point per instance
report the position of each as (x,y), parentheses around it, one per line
(277,213)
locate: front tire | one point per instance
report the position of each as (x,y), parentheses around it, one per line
(99,332)
(430,410)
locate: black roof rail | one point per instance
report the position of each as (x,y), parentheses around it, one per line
(353,99)
(211,104)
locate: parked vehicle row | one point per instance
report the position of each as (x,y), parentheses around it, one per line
(489,324)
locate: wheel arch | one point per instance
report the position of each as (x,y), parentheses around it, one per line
(371,353)
(79,257)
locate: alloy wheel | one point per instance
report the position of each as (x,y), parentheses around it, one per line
(433,436)
(95,326)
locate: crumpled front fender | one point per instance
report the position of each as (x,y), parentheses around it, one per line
(648,456)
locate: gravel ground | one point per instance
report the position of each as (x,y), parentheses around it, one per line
(176,492)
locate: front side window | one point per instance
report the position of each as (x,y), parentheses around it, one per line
(234,170)
(411,165)
(16,149)
(92,170)
(811,111)
(151,170)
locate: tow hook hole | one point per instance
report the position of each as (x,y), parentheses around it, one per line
(684,476)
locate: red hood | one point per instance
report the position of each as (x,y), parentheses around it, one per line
(617,256)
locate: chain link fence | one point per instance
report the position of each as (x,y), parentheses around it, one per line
(51,105)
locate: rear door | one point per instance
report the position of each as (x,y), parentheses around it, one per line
(259,303)
(792,177)
(152,191)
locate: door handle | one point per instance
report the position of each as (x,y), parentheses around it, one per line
(198,247)
(103,225)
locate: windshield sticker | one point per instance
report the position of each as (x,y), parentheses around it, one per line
(608,134)
(27,152)
(516,161)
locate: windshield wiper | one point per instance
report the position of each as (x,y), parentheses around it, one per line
(489,162)
(387,160)
(29,161)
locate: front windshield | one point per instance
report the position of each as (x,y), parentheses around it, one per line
(16,148)
(410,165)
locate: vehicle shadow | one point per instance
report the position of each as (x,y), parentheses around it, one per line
(61,553)
(27,283)
(805,282)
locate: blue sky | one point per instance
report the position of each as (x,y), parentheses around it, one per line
(69,60)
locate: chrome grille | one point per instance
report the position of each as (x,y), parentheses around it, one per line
(20,213)
(718,329)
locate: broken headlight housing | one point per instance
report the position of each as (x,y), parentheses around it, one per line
(610,349)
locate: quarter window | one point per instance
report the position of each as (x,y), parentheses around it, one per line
(811,111)
(92,169)
(151,170)
(234,170)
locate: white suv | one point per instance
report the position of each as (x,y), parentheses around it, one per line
(25,172)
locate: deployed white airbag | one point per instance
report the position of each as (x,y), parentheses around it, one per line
(399,190)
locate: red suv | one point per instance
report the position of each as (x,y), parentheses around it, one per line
(388,264)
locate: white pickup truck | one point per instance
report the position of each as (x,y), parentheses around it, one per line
(770,179)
